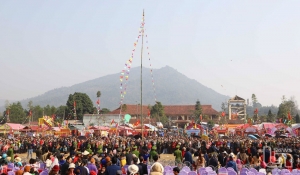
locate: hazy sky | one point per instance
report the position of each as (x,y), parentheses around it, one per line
(245,46)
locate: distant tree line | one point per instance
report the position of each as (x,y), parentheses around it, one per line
(16,113)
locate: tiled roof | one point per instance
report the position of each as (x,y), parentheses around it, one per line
(188,110)
(31,123)
(15,126)
(169,110)
(131,109)
(236,98)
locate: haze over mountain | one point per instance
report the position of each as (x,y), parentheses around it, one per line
(171,86)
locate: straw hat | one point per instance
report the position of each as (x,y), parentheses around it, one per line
(18,159)
(133,169)
(72,165)
(85,153)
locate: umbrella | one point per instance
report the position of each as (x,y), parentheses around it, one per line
(252,137)
(81,137)
(196,136)
(282,136)
(268,135)
(224,137)
(256,135)
(204,137)
(137,137)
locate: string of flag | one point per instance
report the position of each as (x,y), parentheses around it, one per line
(151,70)
(124,76)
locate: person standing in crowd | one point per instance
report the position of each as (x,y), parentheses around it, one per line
(112,170)
(29,150)
(143,165)
(64,167)
(177,154)
(231,163)
(188,156)
(129,157)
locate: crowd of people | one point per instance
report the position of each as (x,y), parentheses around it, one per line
(115,155)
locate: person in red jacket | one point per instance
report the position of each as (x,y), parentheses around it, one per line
(183,151)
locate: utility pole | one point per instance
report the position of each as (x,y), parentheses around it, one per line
(142,119)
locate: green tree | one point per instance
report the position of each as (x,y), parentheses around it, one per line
(224,106)
(61,111)
(198,110)
(297,118)
(270,116)
(17,113)
(84,105)
(105,111)
(254,100)
(285,107)
(124,107)
(53,110)
(30,105)
(37,112)
(98,94)
(210,124)
(157,112)
(47,110)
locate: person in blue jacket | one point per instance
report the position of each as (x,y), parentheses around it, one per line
(231,163)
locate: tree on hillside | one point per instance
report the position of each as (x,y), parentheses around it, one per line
(297,118)
(37,112)
(198,111)
(98,94)
(285,107)
(61,111)
(254,99)
(17,114)
(30,105)
(157,112)
(224,106)
(84,105)
(270,117)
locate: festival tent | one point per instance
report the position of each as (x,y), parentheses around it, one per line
(12,128)
(148,127)
(102,128)
(194,126)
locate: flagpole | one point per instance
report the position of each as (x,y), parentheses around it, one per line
(142,119)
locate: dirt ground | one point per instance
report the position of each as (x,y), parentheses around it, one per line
(167,157)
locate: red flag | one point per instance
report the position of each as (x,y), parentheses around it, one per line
(137,123)
(113,121)
(223,114)
(74,104)
(256,111)
(289,116)
(201,117)
(98,101)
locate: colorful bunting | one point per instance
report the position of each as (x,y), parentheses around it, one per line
(151,71)
(128,63)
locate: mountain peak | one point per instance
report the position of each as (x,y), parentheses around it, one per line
(163,87)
